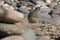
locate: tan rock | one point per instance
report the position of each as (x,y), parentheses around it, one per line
(1,2)
(48,1)
(13,38)
(11,16)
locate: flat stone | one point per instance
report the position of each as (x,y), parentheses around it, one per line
(43,37)
(35,1)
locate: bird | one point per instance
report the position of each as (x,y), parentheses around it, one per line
(32,17)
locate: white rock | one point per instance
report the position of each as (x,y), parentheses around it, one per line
(6,6)
(1,3)
(48,1)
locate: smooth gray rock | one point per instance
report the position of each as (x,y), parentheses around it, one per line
(25,12)
(54,20)
(43,37)
(43,14)
(23,9)
(28,34)
(39,15)
(35,1)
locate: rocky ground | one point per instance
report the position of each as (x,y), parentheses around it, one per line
(29,19)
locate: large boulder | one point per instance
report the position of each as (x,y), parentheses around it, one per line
(11,16)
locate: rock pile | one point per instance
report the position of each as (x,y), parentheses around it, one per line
(29,11)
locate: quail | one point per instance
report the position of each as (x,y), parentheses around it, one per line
(32,17)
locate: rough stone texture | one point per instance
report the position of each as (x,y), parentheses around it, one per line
(43,29)
(14,37)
